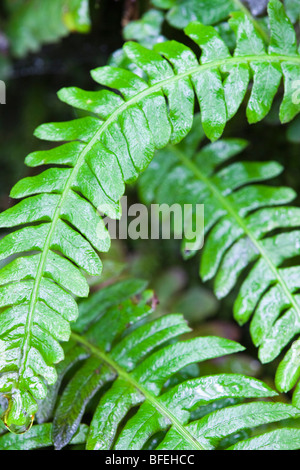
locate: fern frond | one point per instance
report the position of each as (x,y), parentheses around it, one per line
(149,397)
(248,225)
(62,230)
(132,358)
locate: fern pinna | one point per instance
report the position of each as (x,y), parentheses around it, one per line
(147,397)
(104,150)
(248,225)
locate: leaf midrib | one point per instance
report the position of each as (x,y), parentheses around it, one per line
(224,201)
(148,91)
(163,410)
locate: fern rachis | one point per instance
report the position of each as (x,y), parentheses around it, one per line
(104,153)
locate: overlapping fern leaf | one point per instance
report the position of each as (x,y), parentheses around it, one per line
(129,118)
(248,224)
(144,392)
(181,12)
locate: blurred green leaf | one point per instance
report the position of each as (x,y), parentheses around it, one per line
(33,23)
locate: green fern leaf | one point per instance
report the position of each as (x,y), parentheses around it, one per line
(61,229)
(130,358)
(240,219)
(136,366)
(280,439)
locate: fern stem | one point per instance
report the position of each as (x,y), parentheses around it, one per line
(114,116)
(226,204)
(148,396)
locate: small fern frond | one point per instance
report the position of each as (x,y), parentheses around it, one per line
(133,361)
(61,229)
(248,225)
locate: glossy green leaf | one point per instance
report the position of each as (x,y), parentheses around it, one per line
(213,428)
